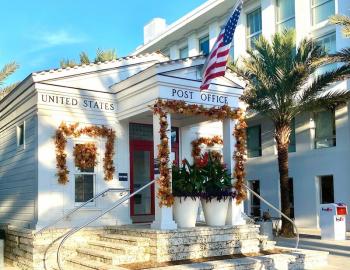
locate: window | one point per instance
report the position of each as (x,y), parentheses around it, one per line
(255,201)
(292,144)
(326,189)
(174,135)
(325,134)
(254,26)
(285,14)
(322,10)
(328,42)
(254,141)
(21,134)
(291,197)
(204,45)
(84,184)
(183,52)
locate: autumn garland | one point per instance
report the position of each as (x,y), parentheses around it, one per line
(72,130)
(85,155)
(162,107)
(196,151)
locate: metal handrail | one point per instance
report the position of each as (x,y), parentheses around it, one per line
(102,193)
(278,211)
(75,230)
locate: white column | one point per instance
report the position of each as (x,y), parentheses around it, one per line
(214,30)
(193,46)
(234,214)
(174,52)
(163,215)
(268,16)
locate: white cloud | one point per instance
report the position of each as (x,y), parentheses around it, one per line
(60,37)
(45,39)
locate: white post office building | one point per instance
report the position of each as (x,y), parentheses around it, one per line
(118,95)
(320,142)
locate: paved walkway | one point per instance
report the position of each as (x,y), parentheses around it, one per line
(339,251)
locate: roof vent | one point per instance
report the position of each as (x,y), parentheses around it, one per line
(153,29)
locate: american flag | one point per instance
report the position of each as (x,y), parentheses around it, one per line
(217,59)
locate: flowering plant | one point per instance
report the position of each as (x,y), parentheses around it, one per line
(186,180)
(217,182)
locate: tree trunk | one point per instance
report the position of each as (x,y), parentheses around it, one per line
(282,139)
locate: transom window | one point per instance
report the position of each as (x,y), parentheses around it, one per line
(183,52)
(325,132)
(84,184)
(204,45)
(322,10)
(254,27)
(285,14)
(254,141)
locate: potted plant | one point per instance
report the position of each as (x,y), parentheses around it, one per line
(186,185)
(216,189)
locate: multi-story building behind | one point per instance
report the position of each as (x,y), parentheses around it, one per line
(320,141)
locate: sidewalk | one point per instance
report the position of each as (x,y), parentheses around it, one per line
(339,251)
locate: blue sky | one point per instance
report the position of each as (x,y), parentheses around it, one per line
(39,33)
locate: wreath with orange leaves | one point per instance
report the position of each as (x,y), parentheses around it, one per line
(84,154)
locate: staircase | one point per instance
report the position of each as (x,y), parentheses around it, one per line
(124,245)
(109,251)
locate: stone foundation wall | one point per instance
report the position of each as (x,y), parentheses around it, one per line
(197,242)
(27,251)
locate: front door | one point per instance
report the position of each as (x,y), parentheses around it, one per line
(142,169)
(141,172)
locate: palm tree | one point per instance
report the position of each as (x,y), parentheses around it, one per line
(281,84)
(5,72)
(101,56)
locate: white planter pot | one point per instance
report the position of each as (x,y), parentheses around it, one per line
(266,228)
(185,211)
(215,211)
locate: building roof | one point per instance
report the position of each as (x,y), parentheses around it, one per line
(49,74)
(197,18)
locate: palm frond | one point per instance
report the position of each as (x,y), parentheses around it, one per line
(321,82)
(105,55)
(343,56)
(64,63)
(342,20)
(330,100)
(7,70)
(7,89)
(84,58)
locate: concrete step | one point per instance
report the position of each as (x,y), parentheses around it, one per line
(108,257)
(117,248)
(77,263)
(291,259)
(125,239)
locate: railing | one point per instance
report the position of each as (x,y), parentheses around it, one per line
(81,206)
(75,230)
(278,211)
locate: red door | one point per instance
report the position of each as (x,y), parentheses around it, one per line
(142,172)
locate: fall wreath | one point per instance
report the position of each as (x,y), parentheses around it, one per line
(85,154)
(196,150)
(163,107)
